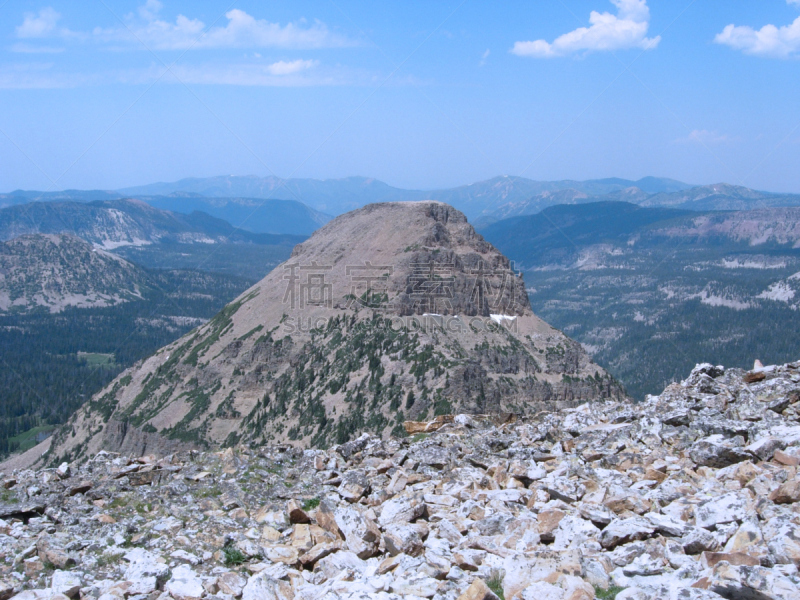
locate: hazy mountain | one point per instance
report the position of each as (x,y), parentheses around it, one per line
(652,291)
(329,196)
(250,214)
(721,196)
(54,272)
(115,223)
(24,196)
(299,206)
(559,233)
(391,312)
(336,196)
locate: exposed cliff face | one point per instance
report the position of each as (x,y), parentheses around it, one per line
(391,312)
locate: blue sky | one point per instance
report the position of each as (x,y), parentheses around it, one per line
(109,93)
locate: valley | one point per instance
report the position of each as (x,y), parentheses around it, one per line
(652,292)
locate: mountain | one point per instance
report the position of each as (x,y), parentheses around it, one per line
(652,291)
(152,237)
(330,196)
(114,223)
(250,214)
(390,312)
(721,196)
(337,196)
(56,271)
(559,233)
(306,203)
(80,316)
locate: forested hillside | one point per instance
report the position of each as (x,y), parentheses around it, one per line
(650,292)
(51,363)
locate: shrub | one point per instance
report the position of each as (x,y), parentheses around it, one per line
(233,556)
(495,583)
(311,504)
(608,594)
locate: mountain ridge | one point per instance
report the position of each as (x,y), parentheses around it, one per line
(53,272)
(416,315)
(483,201)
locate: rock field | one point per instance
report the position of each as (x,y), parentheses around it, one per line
(693,494)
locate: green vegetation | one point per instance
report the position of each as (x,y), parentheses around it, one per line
(44,378)
(495,583)
(28,439)
(607,594)
(109,558)
(97,359)
(311,504)
(653,305)
(250,261)
(233,556)
(8,497)
(418,437)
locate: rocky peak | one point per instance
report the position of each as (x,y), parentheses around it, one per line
(393,312)
(423,256)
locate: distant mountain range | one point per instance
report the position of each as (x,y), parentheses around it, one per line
(652,291)
(300,206)
(337,196)
(248,214)
(152,237)
(111,224)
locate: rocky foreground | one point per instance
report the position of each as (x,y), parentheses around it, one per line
(693,494)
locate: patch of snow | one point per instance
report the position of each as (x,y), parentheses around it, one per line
(500,318)
(714,300)
(779,291)
(113,244)
(750,263)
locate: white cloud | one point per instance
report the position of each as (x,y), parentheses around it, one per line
(627,29)
(23,48)
(769,41)
(283,67)
(241,31)
(39,26)
(40,76)
(298,73)
(150,9)
(706,138)
(485,56)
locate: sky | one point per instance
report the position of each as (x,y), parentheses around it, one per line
(105,94)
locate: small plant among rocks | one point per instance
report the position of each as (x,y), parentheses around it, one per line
(233,556)
(311,504)
(495,583)
(607,594)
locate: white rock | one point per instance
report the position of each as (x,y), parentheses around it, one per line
(185,584)
(541,590)
(264,587)
(66,582)
(145,572)
(723,509)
